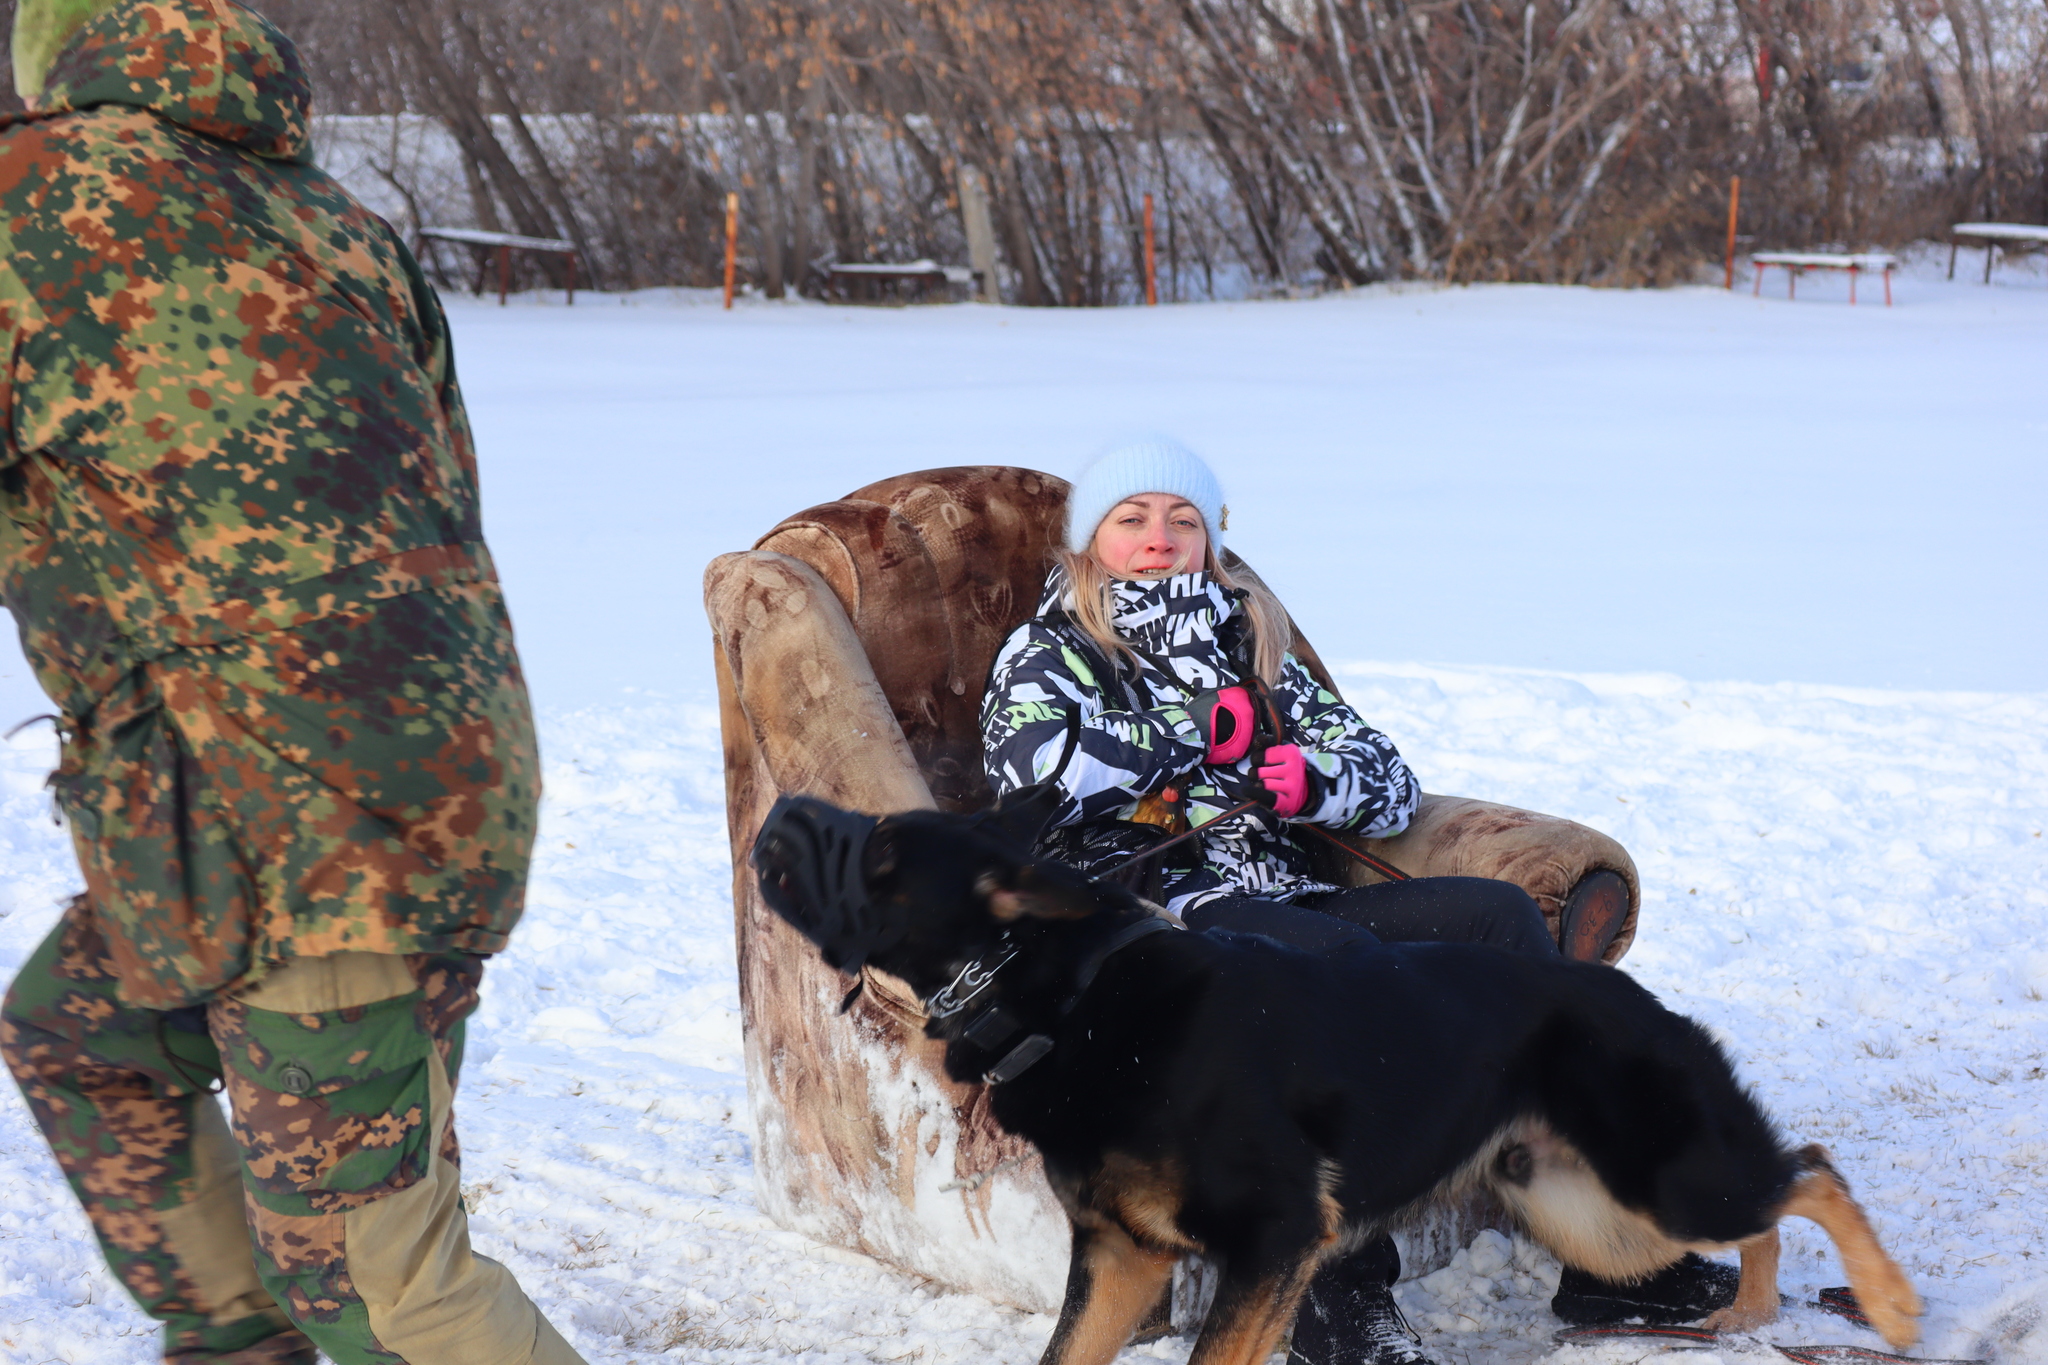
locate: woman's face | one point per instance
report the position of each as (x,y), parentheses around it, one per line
(1151,535)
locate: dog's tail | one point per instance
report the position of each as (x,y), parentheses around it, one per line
(1818,1192)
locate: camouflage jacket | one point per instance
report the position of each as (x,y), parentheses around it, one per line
(232,427)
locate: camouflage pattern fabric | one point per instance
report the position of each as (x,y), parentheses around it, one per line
(42,28)
(366,782)
(239,525)
(114,1090)
(329,1112)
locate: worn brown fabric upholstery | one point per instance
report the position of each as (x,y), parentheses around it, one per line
(933,570)
(853,645)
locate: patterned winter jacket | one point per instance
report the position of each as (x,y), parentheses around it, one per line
(239,524)
(1135,737)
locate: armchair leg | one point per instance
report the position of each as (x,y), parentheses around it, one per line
(1593,914)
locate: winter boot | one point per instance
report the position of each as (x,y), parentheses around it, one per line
(1348,1316)
(1684,1291)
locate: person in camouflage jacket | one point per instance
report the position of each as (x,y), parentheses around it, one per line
(240,537)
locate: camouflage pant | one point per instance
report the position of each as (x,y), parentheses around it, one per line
(335,1112)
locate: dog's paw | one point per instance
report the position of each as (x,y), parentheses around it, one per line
(1895,1311)
(1739,1317)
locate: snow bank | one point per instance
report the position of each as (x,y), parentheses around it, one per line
(1849,886)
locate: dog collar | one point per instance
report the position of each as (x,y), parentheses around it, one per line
(994,1026)
(974,978)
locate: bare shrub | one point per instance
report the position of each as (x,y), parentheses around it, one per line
(1288,143)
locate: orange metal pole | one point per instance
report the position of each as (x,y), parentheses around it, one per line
(1151,258)
(1734,198)
(732,243)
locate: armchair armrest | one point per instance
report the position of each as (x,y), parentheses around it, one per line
(805,691)
(1572,871)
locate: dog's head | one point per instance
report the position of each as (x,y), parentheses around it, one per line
(917,893)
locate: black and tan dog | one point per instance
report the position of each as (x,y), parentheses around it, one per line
(1270,1108)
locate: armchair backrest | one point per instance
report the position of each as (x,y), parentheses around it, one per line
(934,569)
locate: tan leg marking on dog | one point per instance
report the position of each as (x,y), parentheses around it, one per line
(1882,1289)
(1328,1175)
(1124,1281)
(1248,1330)
(1565,1206)
(1146,1198)
(1756,1297)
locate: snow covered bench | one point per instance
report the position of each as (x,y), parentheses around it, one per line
(851,645)
(873,279)
(498,247)
(1991,235)
(1796,263)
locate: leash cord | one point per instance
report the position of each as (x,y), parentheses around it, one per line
(944,1003)
(1379,865)
(1182,837)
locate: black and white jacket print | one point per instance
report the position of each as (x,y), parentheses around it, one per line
(1136,737)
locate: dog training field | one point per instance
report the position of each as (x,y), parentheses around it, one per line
(1754,587)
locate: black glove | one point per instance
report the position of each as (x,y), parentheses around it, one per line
(1227,718)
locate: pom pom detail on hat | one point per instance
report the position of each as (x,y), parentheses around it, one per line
(1155,464)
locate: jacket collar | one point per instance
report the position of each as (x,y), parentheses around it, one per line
(1188,626)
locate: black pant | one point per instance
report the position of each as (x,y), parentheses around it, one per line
(1425,910)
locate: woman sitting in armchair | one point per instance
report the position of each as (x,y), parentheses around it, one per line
(1160,695)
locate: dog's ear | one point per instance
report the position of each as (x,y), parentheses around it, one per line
(1023,815)
(1038,890)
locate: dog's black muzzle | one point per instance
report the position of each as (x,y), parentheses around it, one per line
(810,857)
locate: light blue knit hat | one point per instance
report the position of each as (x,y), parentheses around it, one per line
(1151,464)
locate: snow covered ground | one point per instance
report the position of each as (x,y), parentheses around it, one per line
(1595,502)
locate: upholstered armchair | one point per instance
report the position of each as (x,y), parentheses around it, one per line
(852,645)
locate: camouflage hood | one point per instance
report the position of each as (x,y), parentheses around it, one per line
(207,65)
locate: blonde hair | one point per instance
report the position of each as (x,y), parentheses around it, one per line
(1093,609)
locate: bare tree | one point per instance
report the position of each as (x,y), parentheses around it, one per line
(1287,141)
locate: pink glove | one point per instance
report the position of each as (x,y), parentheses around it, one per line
(1227,723)
(1285,774)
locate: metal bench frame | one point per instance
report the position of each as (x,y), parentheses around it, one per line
(498,247)
(1794,263)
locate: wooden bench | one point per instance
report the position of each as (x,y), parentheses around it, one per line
(498,247)
(1993,235)
(877,281)
(1796,263)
